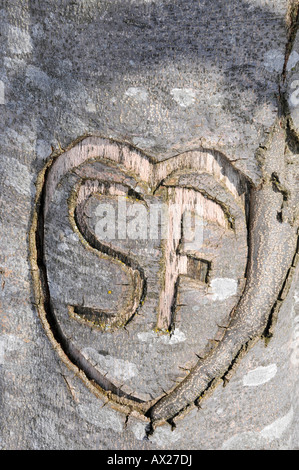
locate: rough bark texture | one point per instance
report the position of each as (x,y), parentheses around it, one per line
(126,345)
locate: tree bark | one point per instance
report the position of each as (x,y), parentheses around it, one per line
(120,120)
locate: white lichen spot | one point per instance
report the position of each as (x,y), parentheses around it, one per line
(296,296)
(177,337)
(138,93)
(73,237)
(147,336)
(19,41)
(259,376)
(118,368)
(151,337)
(165,436)
(223,288)
(293,60)
(138,430)
(183,96)
(294,96)
(62,247)
(276,429)
(274,60)
(90,106)
(37,78)
(258,440)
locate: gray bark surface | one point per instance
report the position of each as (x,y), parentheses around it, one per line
(208,93)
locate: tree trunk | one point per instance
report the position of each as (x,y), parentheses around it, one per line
(149,181)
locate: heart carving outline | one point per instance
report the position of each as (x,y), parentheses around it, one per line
(179,399)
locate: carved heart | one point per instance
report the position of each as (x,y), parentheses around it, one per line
(147,285)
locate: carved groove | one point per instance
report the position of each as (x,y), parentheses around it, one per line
(103,319)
